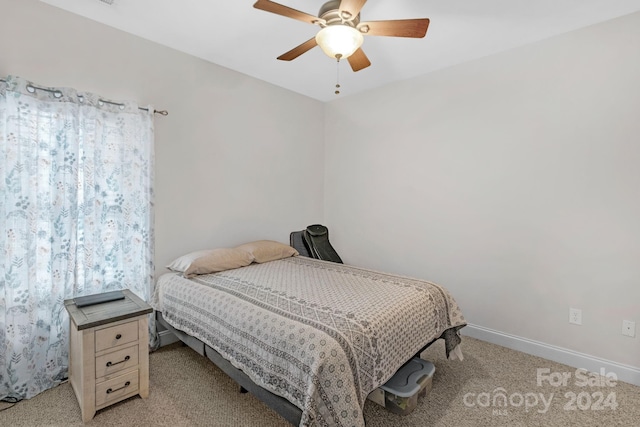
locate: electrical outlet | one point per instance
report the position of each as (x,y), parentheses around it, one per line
(628,328)
(575,316)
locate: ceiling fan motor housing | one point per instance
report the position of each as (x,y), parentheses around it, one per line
(330,12)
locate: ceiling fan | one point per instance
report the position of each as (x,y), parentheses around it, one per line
(341,30)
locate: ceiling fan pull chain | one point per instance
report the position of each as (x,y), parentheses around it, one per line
(337,92)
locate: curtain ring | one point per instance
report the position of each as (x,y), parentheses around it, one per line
(57,94)
(31,89)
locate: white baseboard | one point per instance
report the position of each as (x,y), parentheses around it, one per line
(626,373)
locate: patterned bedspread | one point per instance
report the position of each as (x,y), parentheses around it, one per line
(320,334)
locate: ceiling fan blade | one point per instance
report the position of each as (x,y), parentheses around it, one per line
(358,60)
(288,12)
(416,28)
(353,7)
(298,50)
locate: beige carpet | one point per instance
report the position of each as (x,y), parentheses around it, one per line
(188,390)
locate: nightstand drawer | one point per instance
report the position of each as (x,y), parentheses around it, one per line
(115,389)
(110,363)
(116,335)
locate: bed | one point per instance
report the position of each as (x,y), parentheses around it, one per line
(311,338)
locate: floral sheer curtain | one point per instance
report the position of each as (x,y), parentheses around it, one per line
(76,218)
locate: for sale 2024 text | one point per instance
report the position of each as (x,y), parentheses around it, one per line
(583,400)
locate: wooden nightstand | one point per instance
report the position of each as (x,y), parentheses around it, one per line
(109,355)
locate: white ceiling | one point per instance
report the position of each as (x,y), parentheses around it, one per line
(233,34)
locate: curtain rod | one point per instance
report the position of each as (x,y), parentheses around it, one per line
(31,88)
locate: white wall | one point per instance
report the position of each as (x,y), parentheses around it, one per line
(236,159)
(513,180)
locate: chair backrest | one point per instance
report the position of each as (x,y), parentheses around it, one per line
(314,242)
(296,241)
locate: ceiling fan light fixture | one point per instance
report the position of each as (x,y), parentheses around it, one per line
(339,40)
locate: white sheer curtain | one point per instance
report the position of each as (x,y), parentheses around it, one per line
(76,218)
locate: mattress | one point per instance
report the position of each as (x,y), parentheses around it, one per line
(320,334)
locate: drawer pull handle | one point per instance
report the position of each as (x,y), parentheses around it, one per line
(109,391)
(118,336)
(117,363)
